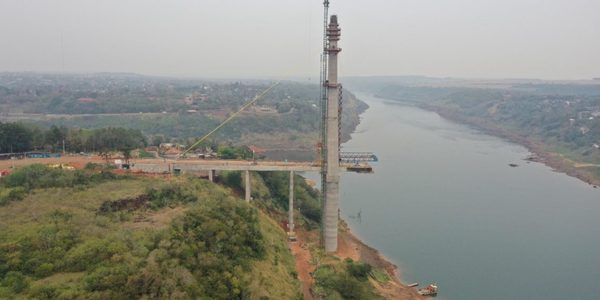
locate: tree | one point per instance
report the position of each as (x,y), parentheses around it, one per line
(55,137)
(15,137)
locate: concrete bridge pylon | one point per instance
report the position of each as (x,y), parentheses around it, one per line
(332,140)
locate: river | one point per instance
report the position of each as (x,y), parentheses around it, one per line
(445,206)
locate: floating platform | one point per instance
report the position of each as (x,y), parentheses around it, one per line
(362,168)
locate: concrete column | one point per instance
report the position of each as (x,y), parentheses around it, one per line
(211,175)
(332,179)
(247,186)
(291,205)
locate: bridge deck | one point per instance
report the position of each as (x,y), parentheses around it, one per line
(157,166)
(161,166)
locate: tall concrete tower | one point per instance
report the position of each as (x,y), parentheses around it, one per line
(332,180)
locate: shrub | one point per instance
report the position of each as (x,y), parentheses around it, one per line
(107,278)
(40,176)
(92,252)
(232,179)
(16,281)
(348,287)
(170,194)
(92,166)
(43,292)
(359,271)
(12,194)
(218,240)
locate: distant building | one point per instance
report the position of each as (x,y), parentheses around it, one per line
(255,149)
(571,121)
(172,153)
(257,153)
(169,146)
(206,153)
(583,114)
(42,155)
(264,109)
(86,100)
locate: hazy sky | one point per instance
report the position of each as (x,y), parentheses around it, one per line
(555,39)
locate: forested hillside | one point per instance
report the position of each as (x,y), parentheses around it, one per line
(96,234)
(90,234)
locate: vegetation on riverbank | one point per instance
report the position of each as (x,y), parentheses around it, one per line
(558,122)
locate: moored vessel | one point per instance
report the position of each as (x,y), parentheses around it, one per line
(430,290)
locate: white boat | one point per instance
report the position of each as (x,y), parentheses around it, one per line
(430,290)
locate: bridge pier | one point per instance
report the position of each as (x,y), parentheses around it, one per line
(211,175)
(291,207)
(247,185)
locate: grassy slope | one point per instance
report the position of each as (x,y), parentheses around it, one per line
(275,276)
(82,202)
(272,276)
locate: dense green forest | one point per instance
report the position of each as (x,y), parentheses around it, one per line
(18,137)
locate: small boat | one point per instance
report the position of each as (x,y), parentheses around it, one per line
(513,165)
(430,290)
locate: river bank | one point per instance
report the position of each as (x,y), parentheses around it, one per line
(446,207)
(540,151)
(350,246)
(306,253)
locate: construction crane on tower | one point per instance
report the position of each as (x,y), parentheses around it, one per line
(331,115)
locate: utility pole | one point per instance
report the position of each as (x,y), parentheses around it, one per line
(12,157)
(291,234)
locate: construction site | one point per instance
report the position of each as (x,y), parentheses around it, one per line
(335,237)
